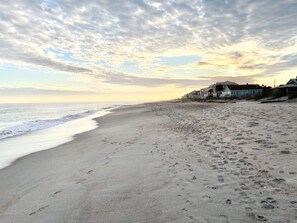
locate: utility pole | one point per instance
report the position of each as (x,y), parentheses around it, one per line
(274,83)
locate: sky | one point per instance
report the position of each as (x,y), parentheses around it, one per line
(141,50)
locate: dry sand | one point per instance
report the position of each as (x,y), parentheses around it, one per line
(164,162)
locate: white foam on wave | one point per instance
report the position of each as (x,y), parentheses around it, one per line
(37,125)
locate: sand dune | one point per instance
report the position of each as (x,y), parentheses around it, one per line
(164,162)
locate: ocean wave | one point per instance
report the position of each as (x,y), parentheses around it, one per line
(36,125)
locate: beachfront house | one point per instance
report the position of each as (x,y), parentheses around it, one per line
(193,95)
(290,89)
(241,91)
(215,90)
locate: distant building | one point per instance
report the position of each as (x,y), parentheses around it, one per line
(193,95)
(241,91)
(290,89)
(213,91)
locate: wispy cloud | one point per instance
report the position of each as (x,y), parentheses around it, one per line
(25,91)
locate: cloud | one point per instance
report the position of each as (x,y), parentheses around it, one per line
(237,79)
(113,77)
(23,91)
(18,53)
(239,37)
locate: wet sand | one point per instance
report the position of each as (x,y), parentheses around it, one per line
(164,162)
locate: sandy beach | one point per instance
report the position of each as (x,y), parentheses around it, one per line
(164,162)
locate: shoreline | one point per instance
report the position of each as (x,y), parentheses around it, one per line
(163,162)
(48,138)
(108,111)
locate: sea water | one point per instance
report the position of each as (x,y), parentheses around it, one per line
(29,128)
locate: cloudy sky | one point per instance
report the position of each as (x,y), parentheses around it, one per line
(103,50)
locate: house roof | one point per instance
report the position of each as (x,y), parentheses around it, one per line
(291,83)
(288,86)
(244,87)
(213,86)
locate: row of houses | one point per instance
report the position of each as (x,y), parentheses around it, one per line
(226,90)
(233,90)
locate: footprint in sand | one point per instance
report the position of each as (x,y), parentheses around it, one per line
(250,213)
(191,217)
(223,219)
(206,197)
(80,181)
(90,171)
(40,209)
(184,209)
(221,179)
(268,203)
(220,219)
(279,180)
(285,152)
(244,187)
(57,192)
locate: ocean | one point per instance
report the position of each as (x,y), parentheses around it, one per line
(29,128)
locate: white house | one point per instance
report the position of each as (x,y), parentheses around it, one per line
(241,91)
